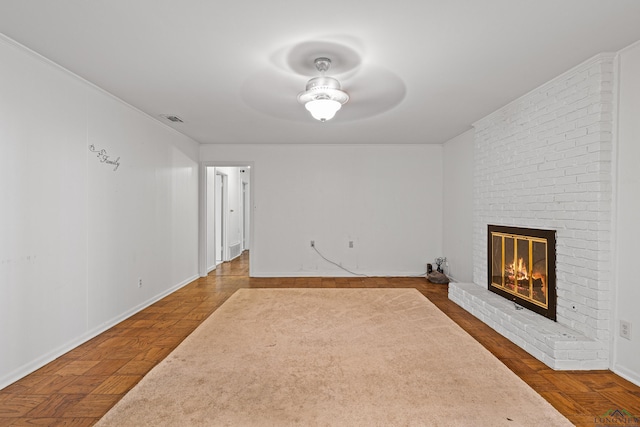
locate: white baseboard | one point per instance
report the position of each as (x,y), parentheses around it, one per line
(627,374)
(32,366)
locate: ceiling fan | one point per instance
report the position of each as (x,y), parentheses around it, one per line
(323,96)
(356,88)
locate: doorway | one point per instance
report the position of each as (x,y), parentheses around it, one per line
(226,207)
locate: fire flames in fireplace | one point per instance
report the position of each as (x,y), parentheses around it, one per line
(518,279)
(521,264)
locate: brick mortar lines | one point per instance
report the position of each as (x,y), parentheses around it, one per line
(544,161)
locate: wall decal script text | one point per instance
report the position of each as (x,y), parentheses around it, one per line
(104,158)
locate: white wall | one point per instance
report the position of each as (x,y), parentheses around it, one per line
(627,236)
(385,198)
(75,235)
(457,228)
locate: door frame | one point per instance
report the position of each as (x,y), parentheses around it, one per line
(203,211)
(224,216)
(246,217)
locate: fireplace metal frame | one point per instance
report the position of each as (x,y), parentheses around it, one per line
(550,237)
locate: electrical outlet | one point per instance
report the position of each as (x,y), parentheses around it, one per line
(139,282)
(625,329)
(351,243)
(313,243)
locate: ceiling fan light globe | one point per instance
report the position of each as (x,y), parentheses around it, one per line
(323,109)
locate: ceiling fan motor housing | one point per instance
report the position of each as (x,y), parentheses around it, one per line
(323,88)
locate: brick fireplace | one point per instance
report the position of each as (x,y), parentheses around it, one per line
(544,162)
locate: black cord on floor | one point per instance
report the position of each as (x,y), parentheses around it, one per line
(352,272)
(336,264)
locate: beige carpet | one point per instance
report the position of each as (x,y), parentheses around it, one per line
(331,357)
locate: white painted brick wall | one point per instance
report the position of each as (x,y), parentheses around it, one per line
(544,161)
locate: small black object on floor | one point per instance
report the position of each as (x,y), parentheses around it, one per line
(437,277)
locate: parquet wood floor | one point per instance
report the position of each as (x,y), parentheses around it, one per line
(81,386)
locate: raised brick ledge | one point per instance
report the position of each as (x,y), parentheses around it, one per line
(557,346)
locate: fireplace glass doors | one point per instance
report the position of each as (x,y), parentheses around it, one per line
(522,267)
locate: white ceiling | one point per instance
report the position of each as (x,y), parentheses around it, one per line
(423,70)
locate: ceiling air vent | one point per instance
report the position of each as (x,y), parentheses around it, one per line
(172,118)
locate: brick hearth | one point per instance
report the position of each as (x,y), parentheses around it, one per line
(556,345)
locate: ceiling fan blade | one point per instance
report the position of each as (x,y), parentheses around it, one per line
(372,91)
(275,93)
